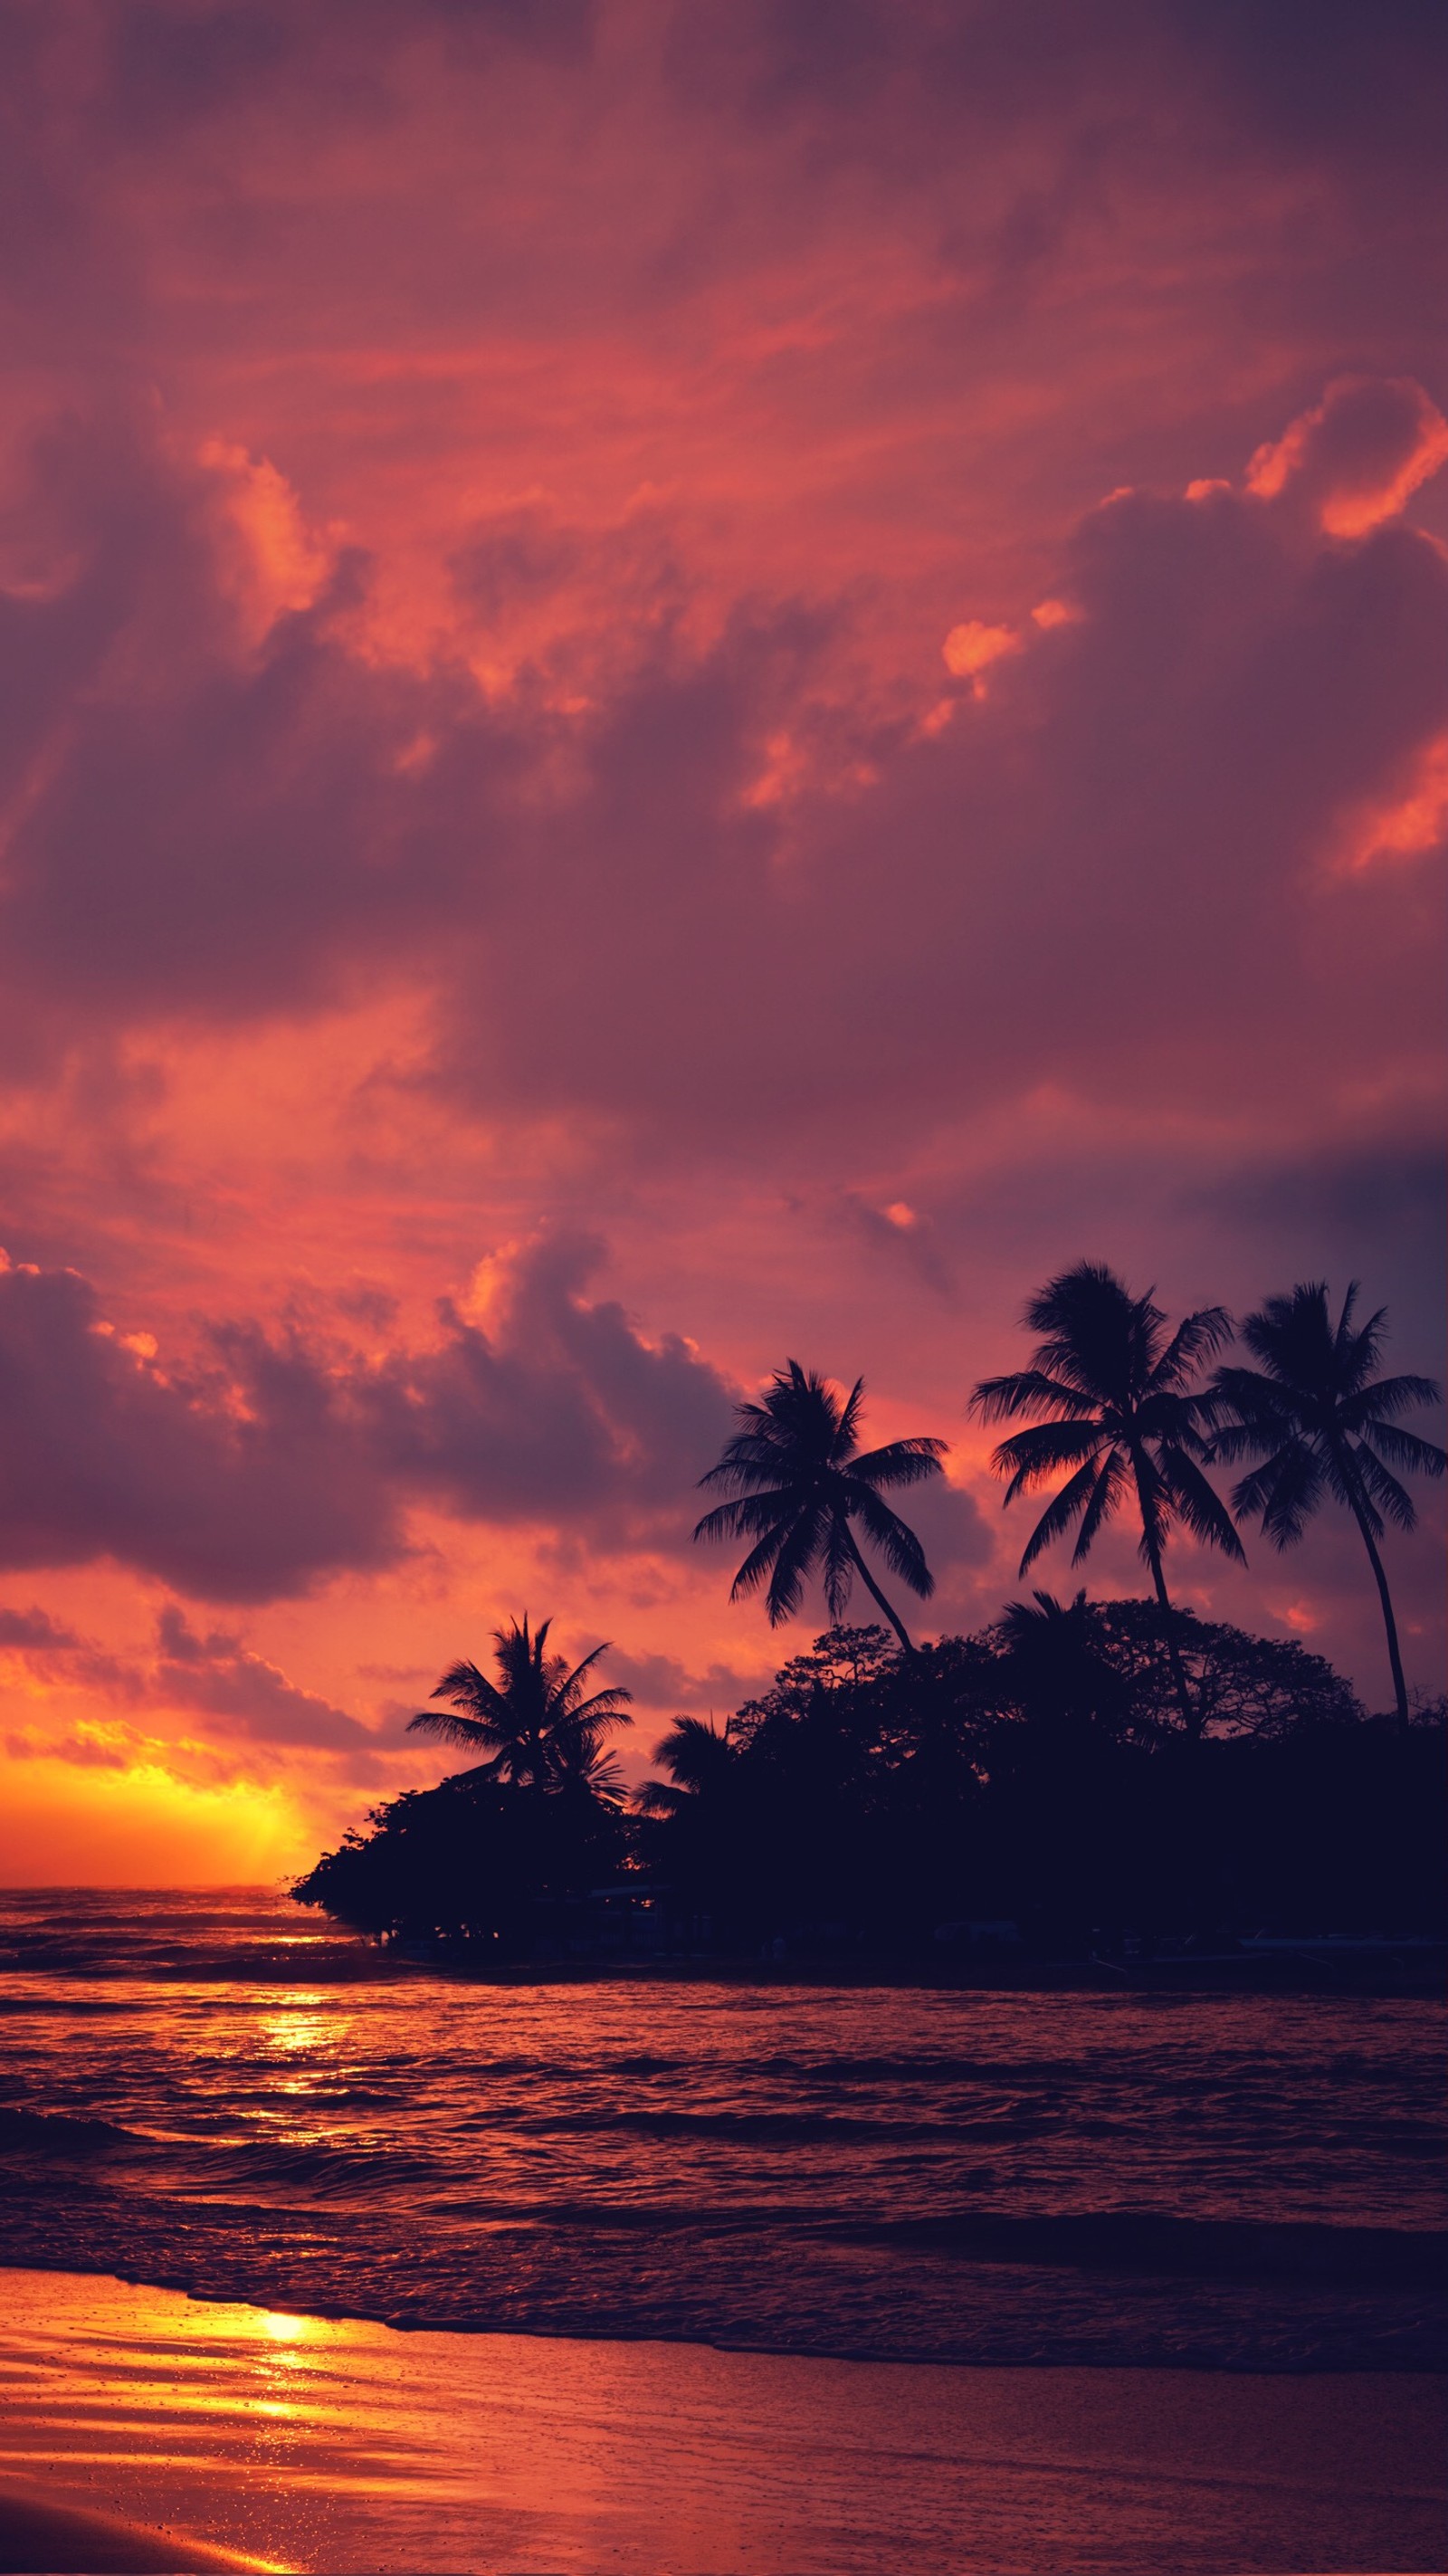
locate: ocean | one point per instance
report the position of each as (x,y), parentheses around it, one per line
(219,2093)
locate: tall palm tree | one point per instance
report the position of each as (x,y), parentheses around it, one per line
(1322,1424)
(798,1481)
(537,1724)
(1119,1415)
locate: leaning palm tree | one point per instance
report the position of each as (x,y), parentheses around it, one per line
(798,1481)
(1322,1424)
(1119,1415)
(537,1724)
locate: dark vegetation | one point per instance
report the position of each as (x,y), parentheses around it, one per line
(1082,1778)
(1036,1776)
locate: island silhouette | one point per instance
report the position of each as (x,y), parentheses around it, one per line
(1113,1780)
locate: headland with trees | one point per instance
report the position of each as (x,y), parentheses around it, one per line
(1105,1779)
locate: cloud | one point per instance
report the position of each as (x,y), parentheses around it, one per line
(1124,857)
(33,1628)
(269,1463)
(219,1677)
(485,495)
(239,1478)
(1357,457)
(663,1682)
(556,1409)
(239,1695)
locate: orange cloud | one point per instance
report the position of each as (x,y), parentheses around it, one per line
(1358,456)
(971,648)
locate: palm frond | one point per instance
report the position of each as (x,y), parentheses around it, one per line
(844,1439)
(694,1751)
(837,1567)
(1104,1496)
(896,1541)
(1150,1497)
(1097,1336)
(1404,1449)
(1359,1344)
(1194,1340)
(1058,1515)
(1386,1398)
(606,1708)
(749,1515)
(1197,1504)
(802,1545)
(1002,1399)
(448,1728)
(1391,1498)
(1030,1456)
(471,1689)
(900,1462)
(1292,1336)
(759,1561)
(1283,1492)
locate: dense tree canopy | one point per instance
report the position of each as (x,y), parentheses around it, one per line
(878,1803)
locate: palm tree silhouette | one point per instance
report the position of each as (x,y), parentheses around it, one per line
(539,1728)
(697,1756)
(1322,1424)
(799,1481)
(1054,1658)
(1114,1391)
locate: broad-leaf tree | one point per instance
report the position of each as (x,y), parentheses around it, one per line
(799,1482)
(1321,1424)
(1120,1420)
(538,1724)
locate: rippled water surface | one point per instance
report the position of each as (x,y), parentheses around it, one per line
(219,2094)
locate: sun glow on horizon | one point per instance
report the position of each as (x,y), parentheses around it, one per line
(139,1825)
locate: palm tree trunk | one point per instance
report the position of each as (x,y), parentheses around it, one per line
(1400,1688)
(872,1587)
(1191,1717)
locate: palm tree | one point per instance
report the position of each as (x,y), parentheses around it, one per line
(1114,1391)
(799,1481)
(1054,1658)
(697,1756)
(539,1728)
(1322,1424)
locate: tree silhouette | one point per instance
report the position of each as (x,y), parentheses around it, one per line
(798,1482)
(1322,1424)
(539,1728)
(1054,1656)
(697,1756)
(1119,1415)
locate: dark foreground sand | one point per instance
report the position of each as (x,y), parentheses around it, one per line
(140,2430)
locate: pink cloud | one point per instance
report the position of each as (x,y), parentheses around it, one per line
(267,1463)
(1357,457)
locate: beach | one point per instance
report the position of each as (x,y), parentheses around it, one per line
(304,2443)
(332,2266)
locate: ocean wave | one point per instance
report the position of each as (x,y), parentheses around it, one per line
(51,2134)
(1154,2241)
(786,2128)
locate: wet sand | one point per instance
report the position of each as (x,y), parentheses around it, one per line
(193,2428)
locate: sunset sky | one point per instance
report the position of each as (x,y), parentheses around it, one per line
(680,684)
